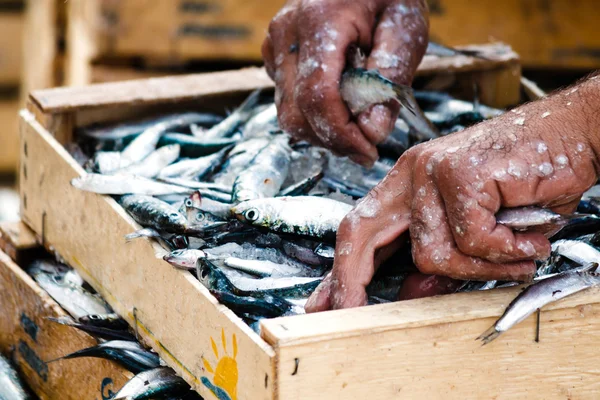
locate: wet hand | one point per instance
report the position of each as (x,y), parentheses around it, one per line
(305,54)
(446,193)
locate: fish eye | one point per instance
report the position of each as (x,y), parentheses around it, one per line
(251,214)
(188,202)
(94,317)
(200,216)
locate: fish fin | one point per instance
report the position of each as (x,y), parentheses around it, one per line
(405,97)
(248,105)
(489,335)
(415,118)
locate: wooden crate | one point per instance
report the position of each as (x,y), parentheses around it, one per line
(548,33)
(11,31)
(9,134)
(417,349)
(30,339)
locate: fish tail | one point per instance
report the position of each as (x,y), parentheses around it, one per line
(417,119)
(404,95)
(248,105)
(489,335)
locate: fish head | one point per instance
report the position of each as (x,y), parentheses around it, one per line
(250,212)
(184,258)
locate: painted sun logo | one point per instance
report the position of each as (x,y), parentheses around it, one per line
(225,374)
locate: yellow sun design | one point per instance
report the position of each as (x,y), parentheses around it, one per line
(225,375)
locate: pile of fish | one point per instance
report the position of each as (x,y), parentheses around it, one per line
(89,313)
(254,215)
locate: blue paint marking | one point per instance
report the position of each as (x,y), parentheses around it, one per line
(35,362)
(29,327)
(217,391)
(105,391)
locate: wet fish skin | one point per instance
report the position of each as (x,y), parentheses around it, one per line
(157,383)
(239,157)
(195,168)
(152,165)
(267,306)
(526,217)
(536,296)
(576,250)
(184,258)
(111,321)
(143,233)
(54,279)
(228,126)
(96,331)
(207,186)
(194,147)
(261,122)
(11,387)
(262,268)
(121,185)
(361,88)
(149,211)
(302,187)
(300,215)
(129,354)
(107,161)
(436,49)
(265,174)
(216,208)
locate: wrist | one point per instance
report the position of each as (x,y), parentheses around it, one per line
(584,102)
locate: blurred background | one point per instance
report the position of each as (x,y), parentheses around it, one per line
(47,43)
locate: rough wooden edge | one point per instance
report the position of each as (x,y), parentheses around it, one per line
(33,339)
(410,314)
(19,242)
(76,225)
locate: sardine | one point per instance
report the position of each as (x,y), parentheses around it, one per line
(129,354)
(75,300)
(107,161)
(184,258)
(96,331)
(207,186)
(325,251)
(149,211)
(265,174)
(362,88)
(194,147)
(302,187)
(261,122)
(301,215)
(522,218)
(111,321)
(119,185)
(151,166)
(264,268)
(157,383)
(195,168)
(267,306)
(216,208)
(578,251)
(11,387)
(538,295)
(229,125)
(239,158)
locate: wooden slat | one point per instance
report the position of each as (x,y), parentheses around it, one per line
(9,135)
(552,33)
(19,242)
(176,315)
(81,48)
(11,35)
(32,339)
(426,348)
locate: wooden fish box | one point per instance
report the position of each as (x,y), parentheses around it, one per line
(422,348)
(11,34)
(9,134)
(547,34)
(29,339)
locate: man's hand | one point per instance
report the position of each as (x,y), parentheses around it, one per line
(447,192)
(305,54)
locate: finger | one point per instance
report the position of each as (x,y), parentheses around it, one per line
(322,60)
(471,207)
(399,43)
(369,231)
(418,285)
(284,42)
(434,249)
(268,58)
(319,299)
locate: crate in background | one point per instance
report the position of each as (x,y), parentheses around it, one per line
(11,31)
(9,134)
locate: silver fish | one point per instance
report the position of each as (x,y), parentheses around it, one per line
(362,88)
(261,122)
(161,382)
(184,258)
(264,268)
(228,126)
(143,233)
(152,165)
(152,212)
(436,49)
(119,185)
(239,158)
(194,168)
(10,384)
(302,215)
(197,185)
(216,208)
(75,300)
(107,161)
(578,251)
(265,174)
(270,283)
(522,218)
(538,295)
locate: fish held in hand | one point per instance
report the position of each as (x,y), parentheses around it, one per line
(361,88)
(538,295)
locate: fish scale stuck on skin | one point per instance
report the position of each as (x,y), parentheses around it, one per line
(362,88)
(538,295)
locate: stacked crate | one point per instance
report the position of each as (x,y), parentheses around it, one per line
(11,29)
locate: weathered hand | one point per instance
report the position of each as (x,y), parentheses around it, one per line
(305,54)
(447,192)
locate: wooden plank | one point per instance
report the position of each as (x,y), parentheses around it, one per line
(426,349)
(81,48)
(32,339)
(109,73)
(11,35)
(39,46)
(212,29)
(176,315)
(9,135)
(19,242)
(551,33)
